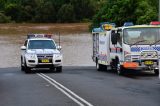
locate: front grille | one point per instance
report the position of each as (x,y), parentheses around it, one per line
(44,55)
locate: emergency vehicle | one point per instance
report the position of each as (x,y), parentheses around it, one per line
(40,51)
(127,48)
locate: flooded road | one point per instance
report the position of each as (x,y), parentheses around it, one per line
(76,45)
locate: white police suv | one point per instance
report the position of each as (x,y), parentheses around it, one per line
(41,51)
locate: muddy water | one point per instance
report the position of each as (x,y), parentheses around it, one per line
(76,46)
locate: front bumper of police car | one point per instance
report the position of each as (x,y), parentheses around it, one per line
(43,60)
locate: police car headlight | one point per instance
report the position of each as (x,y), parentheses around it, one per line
(57,55)
(30,56)
(128,58)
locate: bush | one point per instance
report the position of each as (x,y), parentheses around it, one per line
(4,18)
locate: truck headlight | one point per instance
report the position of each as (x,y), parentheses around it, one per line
(154,55)
(144,55)
(30,56)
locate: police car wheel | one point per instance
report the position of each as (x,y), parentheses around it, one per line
(156,71)
(22,67)
(59,69)
(26,69)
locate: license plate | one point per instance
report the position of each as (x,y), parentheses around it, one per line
(148,62)
(45,61)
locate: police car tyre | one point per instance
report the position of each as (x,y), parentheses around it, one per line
(22,67)
(59,69)
(26,69)
(156,71)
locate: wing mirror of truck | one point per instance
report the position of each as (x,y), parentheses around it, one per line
(59,47)
(23,47)
(114,38)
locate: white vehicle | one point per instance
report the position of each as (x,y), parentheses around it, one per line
(127,48)
(40,51)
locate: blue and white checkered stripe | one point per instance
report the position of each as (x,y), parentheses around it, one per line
(138,49)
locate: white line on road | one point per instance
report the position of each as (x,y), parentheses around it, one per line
(80,101)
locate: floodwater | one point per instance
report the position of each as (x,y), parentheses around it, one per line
(75,39)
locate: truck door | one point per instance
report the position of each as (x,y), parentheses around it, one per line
(95,45)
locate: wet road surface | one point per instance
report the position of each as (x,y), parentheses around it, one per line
(97,88)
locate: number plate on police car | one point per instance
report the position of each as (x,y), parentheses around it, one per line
(148,63)
(45,61)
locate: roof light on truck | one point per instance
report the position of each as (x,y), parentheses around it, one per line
(155,23)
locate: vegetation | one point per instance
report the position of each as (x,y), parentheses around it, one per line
(65,11)
(120,11)
(47,11)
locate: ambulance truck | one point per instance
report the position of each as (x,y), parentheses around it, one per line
(134,48)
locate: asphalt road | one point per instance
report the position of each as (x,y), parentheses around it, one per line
(81,85)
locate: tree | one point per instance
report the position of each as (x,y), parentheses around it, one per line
(13,10)
(83,9)
(66,13)
(45,12)
(120,11)
(4,19)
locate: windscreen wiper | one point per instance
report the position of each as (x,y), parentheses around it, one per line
(138,42)
(156,42)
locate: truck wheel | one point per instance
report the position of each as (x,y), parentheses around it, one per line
(120,70)
(59,69)
(99,67)
(156,71)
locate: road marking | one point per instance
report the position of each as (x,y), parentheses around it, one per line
(77,99)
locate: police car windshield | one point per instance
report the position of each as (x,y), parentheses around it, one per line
(148,35)
(41,44)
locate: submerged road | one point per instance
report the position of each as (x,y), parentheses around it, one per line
(77,86)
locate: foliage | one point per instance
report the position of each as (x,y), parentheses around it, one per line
(46,11)
(120,11)
(66,13)
(4,19)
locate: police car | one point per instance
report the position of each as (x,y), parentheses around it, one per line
(41,51)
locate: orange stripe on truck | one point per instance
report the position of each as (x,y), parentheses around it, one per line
(130,65)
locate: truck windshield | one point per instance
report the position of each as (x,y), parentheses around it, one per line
(41,44)
(148,35)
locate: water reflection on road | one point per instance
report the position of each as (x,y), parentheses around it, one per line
(76,48)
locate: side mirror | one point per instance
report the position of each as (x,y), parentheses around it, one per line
(23,47)
(59,47)
(114,38)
